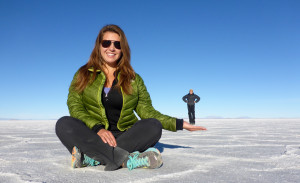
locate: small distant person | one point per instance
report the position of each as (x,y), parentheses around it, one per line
(191,99)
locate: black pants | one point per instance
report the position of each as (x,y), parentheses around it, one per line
(142,135)
(191,112)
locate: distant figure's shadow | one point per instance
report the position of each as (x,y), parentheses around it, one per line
(161,146)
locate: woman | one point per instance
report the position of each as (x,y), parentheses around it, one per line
(103,96)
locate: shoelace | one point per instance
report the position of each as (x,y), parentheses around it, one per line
(135,162)
(89,161)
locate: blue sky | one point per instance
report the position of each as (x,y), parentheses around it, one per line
(241,57)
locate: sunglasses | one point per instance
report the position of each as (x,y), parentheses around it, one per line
(107,43)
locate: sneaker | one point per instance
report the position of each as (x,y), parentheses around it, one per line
(87,161)
(79,161)
(151,159)
(155,152)
(76,158)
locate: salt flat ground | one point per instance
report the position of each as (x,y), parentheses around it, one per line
(231,150)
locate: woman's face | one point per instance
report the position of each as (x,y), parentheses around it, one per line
(110,54)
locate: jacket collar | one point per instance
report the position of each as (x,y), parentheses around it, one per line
(99,71)
(92,69)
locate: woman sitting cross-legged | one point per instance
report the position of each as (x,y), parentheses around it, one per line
(103,96)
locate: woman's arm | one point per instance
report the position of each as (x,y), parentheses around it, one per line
(76,107)
(145,109)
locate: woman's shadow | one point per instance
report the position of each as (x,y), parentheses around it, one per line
(162,146)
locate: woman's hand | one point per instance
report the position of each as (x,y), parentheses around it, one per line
(107,137)
(191,128)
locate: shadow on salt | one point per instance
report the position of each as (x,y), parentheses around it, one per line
(162,146)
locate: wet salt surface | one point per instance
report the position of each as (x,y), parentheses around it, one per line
(231,150)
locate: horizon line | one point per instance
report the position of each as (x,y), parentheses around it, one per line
(179,118)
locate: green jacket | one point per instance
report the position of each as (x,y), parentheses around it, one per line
(87,106)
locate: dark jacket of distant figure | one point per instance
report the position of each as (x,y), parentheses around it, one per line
(190,99)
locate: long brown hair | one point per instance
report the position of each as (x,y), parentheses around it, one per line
(96,62)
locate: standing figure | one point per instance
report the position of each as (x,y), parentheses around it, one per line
(102,128)
(191,99)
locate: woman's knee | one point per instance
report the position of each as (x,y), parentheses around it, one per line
(156,123)
(154,126)
(65,124)
(60,124)
(63,121)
